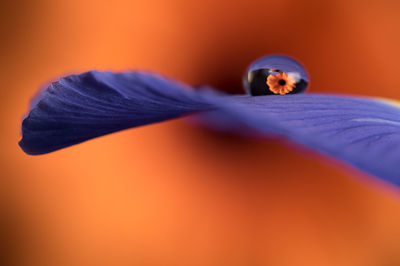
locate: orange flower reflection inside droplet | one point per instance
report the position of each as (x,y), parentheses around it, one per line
(281,83)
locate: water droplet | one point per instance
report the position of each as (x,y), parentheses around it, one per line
(275,74)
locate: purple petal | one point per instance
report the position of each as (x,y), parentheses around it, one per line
(80,107)
(363,132)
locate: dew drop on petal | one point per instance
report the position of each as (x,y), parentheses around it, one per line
(275,74)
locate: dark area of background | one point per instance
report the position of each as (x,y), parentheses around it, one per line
(174,194)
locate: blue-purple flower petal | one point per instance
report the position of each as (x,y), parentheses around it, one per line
(364,132)
(80,107)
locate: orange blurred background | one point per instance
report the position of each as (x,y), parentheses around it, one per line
(175,194)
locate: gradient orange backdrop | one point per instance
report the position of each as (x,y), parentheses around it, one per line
(174,194)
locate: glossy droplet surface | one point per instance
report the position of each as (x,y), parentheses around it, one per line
(275,75)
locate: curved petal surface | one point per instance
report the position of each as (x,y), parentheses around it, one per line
(80,107)
(364,132)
